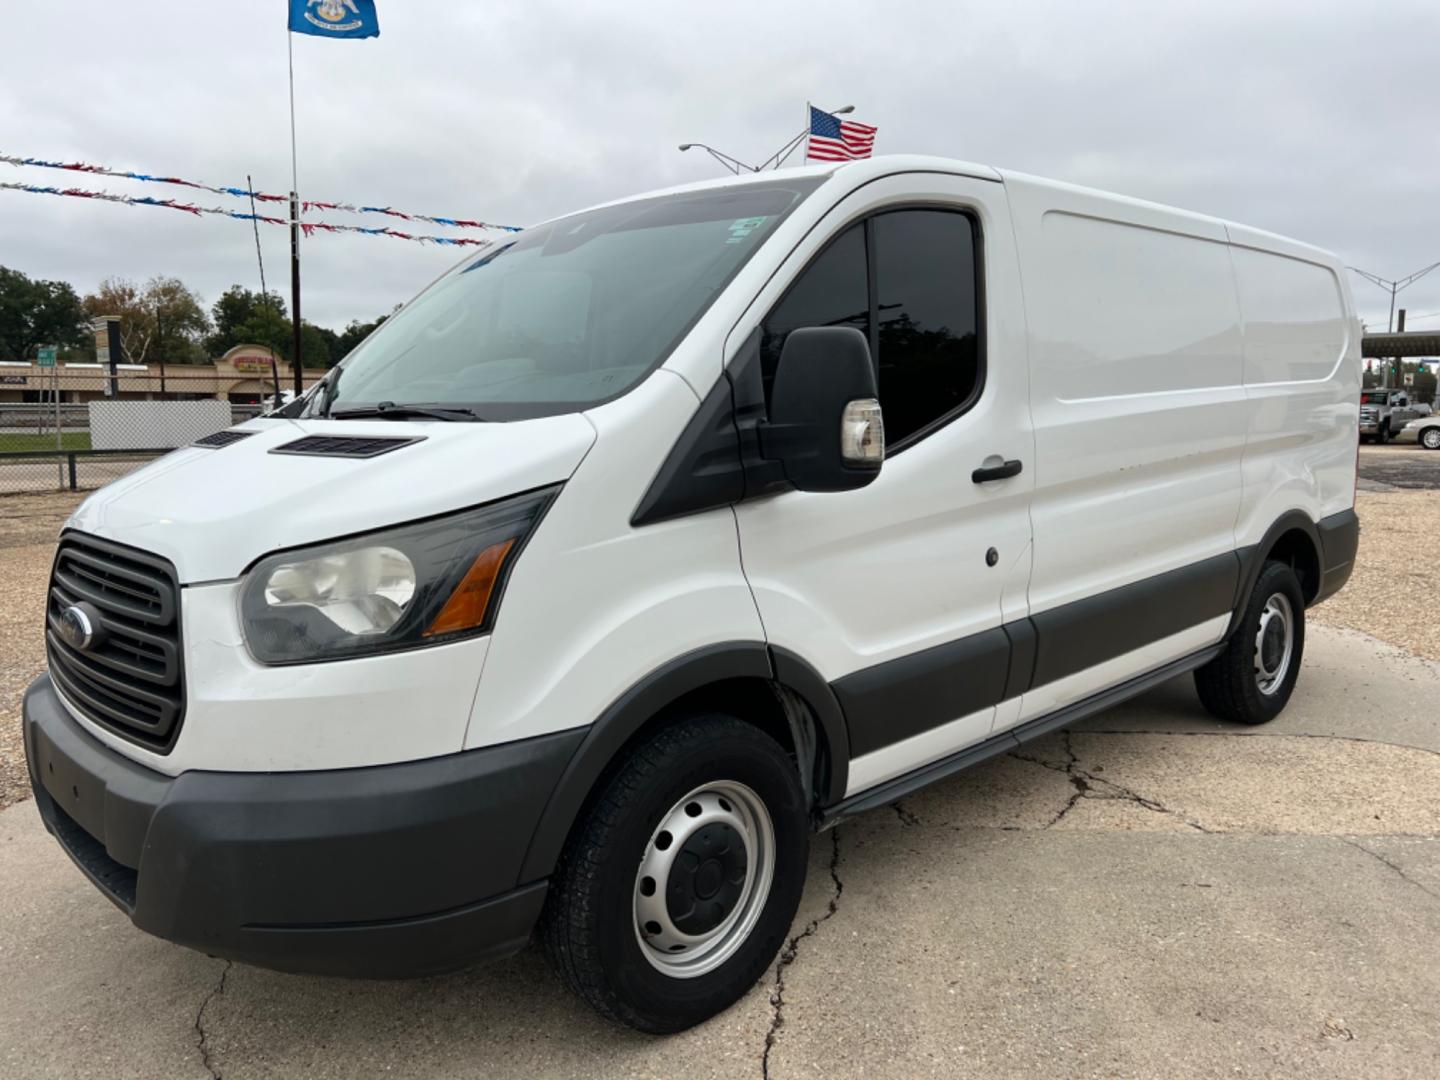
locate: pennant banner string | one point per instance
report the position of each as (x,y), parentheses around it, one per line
(308,227)
(259,196)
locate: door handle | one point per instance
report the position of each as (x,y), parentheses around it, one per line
(986,473)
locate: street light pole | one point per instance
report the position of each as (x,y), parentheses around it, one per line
(789,148)
(1394,286)
(775,160)
(735,165)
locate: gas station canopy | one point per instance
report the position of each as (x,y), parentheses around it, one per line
(1410,343)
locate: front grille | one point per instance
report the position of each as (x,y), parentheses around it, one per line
(344,446)
(130,678)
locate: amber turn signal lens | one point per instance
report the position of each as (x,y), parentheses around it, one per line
(467,605)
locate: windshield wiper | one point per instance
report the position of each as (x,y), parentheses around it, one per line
(388,410)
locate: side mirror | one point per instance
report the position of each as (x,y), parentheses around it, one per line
(825,426)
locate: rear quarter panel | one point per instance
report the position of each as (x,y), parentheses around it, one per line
(1302,381)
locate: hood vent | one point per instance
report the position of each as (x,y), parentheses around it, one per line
(345,446)
(222,438)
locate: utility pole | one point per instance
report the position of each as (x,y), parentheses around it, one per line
(1399,364)
(160,348)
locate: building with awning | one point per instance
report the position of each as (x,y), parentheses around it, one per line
(243,375)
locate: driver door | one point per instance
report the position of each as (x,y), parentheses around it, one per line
(897,593)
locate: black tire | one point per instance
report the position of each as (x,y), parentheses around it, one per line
(1384,435)
(1231,686)
(589,928)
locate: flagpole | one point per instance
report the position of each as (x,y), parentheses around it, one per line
(804,137)
(294,228)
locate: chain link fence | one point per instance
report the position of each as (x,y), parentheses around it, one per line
(90,437)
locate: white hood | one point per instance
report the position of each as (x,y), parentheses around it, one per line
(214,512)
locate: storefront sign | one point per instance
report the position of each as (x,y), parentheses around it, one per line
(251,364)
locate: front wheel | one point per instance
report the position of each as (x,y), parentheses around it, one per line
(1250,682)
(674,895)
(1430,438)
(1383,436)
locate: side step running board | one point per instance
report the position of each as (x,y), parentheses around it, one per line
(911,782)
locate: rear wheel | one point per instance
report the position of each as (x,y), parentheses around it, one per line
(675,894)
(1430,438)
(1250,682)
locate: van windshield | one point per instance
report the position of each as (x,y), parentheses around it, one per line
(563,316)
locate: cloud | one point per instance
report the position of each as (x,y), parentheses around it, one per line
(1306,119)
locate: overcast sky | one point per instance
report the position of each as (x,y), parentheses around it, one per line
(1316,119)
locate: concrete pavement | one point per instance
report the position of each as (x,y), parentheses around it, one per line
(1152,894)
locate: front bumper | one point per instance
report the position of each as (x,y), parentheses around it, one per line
(1405,435)
(387,871)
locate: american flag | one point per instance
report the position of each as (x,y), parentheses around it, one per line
(833,139)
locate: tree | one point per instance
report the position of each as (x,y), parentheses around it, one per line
(244,317)
(161,320)
(264,325)
(317,346)
(35,313)
(352,335)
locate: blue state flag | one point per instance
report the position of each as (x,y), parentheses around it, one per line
(334,18)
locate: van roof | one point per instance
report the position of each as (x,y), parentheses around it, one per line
(856,173)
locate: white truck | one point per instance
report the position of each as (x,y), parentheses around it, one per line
(654,538)
(1383,413)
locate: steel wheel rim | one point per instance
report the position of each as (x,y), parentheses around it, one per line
(668,948)
(1274,643)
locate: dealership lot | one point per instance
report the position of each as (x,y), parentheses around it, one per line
(1151,894)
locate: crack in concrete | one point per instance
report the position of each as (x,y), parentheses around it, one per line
(1393,866)
(905,816)
(787,956)
(1089,786)
(1261,735)
(201,1036)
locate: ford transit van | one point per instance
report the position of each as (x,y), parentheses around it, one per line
(649,541)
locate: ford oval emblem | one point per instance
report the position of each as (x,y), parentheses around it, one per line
(77,629)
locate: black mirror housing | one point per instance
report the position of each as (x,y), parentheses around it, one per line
(824,387)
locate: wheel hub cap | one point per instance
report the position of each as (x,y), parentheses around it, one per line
(1274,643)
(706,878)
(703,879)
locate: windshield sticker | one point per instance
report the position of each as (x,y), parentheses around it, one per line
(743,227)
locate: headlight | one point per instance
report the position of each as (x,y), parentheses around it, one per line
(422,584)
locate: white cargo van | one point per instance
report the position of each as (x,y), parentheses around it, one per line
(650,540)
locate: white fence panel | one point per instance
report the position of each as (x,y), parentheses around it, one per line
(154,425)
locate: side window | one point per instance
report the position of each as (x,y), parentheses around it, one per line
(920,318)
(830,292)
(926,303)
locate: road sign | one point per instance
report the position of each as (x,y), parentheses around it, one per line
(45,356)
(1409,378)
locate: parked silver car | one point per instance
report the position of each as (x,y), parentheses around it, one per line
(1425,431)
